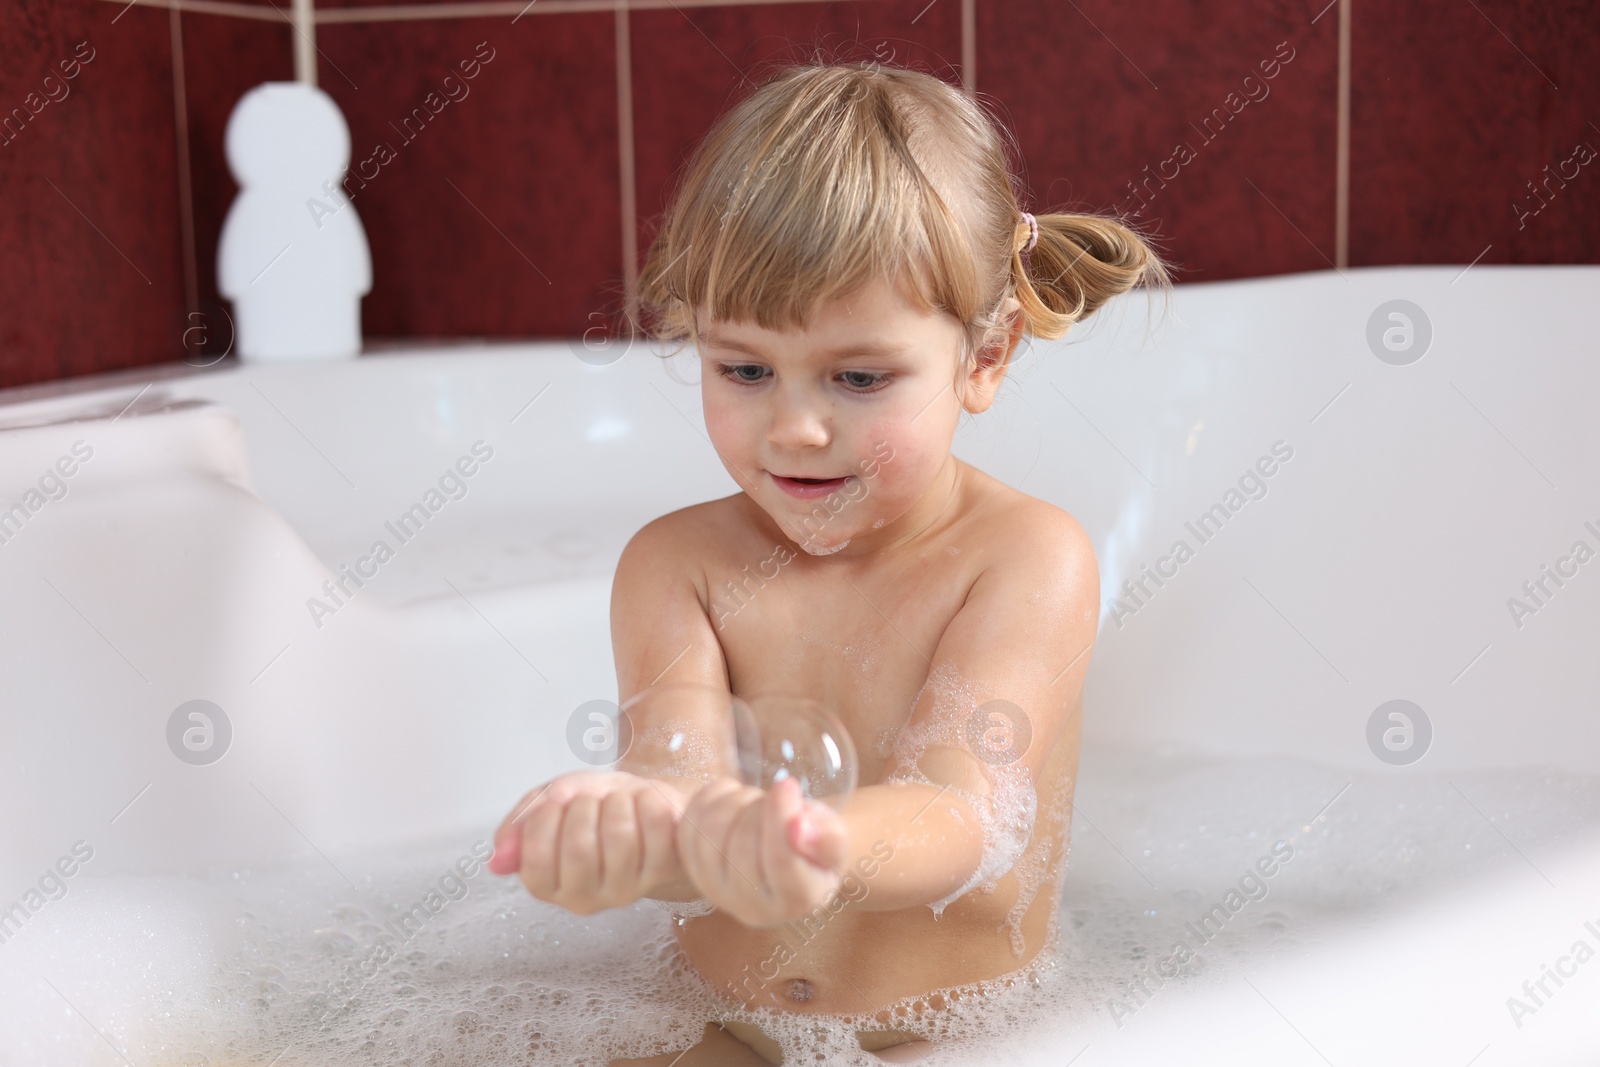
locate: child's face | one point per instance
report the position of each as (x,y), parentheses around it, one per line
(865,399)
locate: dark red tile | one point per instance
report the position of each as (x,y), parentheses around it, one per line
(1098,91)
(499,216)
(93,276)
(690,65)
(223,59)
(1454,110)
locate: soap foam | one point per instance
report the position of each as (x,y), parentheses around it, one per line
(1005,813)
(816,547)
(242,966)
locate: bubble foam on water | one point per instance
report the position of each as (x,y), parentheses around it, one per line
(238,967)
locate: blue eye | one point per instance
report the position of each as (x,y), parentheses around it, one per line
(854,380)
(731,372)
(858,381)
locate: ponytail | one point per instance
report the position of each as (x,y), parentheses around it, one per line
(1079,263)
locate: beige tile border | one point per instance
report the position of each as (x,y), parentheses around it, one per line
(213,7)
(969,46)
(303,19)
(1341,175)
(626,177)
(519,8)
(180,118)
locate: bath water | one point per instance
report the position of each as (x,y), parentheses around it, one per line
(296,967)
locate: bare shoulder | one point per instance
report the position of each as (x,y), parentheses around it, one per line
(1034,541)
(690,539)
(660,600)
(685,523)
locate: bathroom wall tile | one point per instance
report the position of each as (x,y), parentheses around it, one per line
(1098,91)
(502,216)
(499,216)
(223,59)
(92,278)
(691,65)
(1454,110)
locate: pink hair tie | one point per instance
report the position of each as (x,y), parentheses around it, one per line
(1033,233)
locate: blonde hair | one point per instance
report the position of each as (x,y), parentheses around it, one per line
(830,176)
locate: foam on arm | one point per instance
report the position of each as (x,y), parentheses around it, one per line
(1001,795)
(1002,684)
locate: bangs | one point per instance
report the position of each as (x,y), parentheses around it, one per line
(796,199)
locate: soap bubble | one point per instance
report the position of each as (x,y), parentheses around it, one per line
(700,732)
(796,737)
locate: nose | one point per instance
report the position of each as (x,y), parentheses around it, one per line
(798,421)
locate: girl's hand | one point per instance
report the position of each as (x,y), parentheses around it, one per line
(592,840)
(762,857)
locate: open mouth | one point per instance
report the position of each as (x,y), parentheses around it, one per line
(808,487)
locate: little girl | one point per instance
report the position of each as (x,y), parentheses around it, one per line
(848,257)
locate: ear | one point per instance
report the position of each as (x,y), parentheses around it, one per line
(983,381)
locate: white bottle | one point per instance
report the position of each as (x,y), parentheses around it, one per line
(292,257)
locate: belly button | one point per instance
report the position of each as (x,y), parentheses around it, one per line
(801,989)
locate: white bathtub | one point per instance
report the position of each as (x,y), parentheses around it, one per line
(1415,500)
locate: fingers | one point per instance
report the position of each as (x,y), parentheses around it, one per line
(777,855)
(658,825)
(591,841)
(703,834)
(803,848)
(507,856)
(749,872)
(556,791)
(818,835)
(620,850)
(735,843)
(595,840)
(540,839)
(579,863)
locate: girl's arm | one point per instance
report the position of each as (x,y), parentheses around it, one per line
(661,635)
(1003,691)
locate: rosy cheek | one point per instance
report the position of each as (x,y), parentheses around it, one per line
(724,421)
(885,439)
(896,449)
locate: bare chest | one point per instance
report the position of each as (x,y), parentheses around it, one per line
(859,643)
